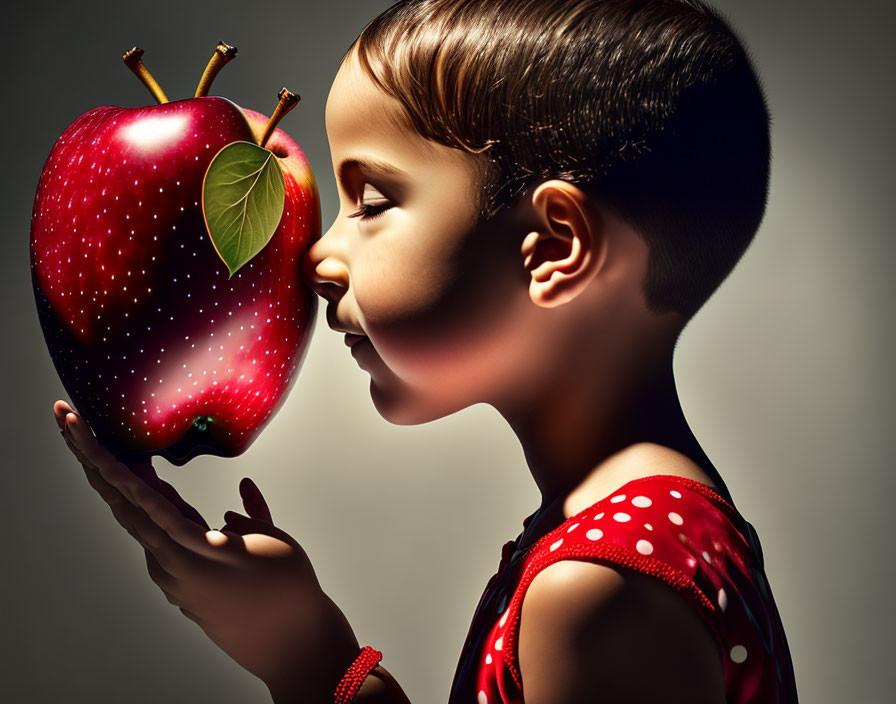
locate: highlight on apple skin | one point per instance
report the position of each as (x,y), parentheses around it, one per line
(159,346)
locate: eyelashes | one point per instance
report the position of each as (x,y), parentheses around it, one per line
(368,211)
(372,203)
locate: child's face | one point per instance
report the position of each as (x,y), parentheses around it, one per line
(438,294)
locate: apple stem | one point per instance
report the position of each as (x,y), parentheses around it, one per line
(287,102)
(133,60)
(224,53)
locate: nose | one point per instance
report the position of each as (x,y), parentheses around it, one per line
(324,270)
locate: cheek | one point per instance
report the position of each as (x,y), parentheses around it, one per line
(395,287)
(411,309)
(405,288)
(438,325)
(437,292)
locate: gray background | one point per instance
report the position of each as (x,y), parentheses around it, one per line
(785,376)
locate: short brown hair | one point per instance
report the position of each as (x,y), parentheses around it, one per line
(651,106)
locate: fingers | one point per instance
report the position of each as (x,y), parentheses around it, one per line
(169,587)
(232,516)
(241,524)
(253,501)
(186,510)
(76,451)
(167,553)
(122,510)
(86,440)
(184,531)
(83,444)
(159,575)
(147,472)
(60,409)
(163,515)
(245,525)
(157,507)
(146,532)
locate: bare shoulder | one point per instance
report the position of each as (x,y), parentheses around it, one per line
(636,461)
(589,632)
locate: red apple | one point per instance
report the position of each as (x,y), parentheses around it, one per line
(159,348)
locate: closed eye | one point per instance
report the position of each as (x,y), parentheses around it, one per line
(368,211)
(372,203)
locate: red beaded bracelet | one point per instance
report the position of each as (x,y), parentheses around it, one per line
(356,674)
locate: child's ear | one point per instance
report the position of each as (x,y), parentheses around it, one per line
(565,250)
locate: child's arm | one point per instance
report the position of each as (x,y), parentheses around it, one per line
(250,587)
(589,632)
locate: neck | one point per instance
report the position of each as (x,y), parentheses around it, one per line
(579,416)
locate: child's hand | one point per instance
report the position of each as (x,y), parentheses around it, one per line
(250,586)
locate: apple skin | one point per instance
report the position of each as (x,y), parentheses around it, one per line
(157,349)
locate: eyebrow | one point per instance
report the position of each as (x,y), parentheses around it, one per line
(369,166)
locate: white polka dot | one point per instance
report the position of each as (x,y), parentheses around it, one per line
(599,516)
(717,545)
(738,653)
(648,526)
(706,556)
(674,493)
(644,547)
(488,659)
(557,545)
(594,534)
(482,699)
(616,499)
(503,619)
(723,599)
(572,527)
(641,501)
(621,517)
(675,518)
(499,643)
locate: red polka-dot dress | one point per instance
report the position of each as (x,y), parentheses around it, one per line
(672,528)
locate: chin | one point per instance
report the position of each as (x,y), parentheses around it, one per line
(404,408)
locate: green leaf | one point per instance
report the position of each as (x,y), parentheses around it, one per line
(242,201)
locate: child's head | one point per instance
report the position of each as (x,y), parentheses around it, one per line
(606,161)
(651,106)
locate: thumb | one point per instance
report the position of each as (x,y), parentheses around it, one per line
(244,525)
(253,501)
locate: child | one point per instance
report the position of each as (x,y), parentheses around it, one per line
(536,196)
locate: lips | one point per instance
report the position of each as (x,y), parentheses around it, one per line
(351,339)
